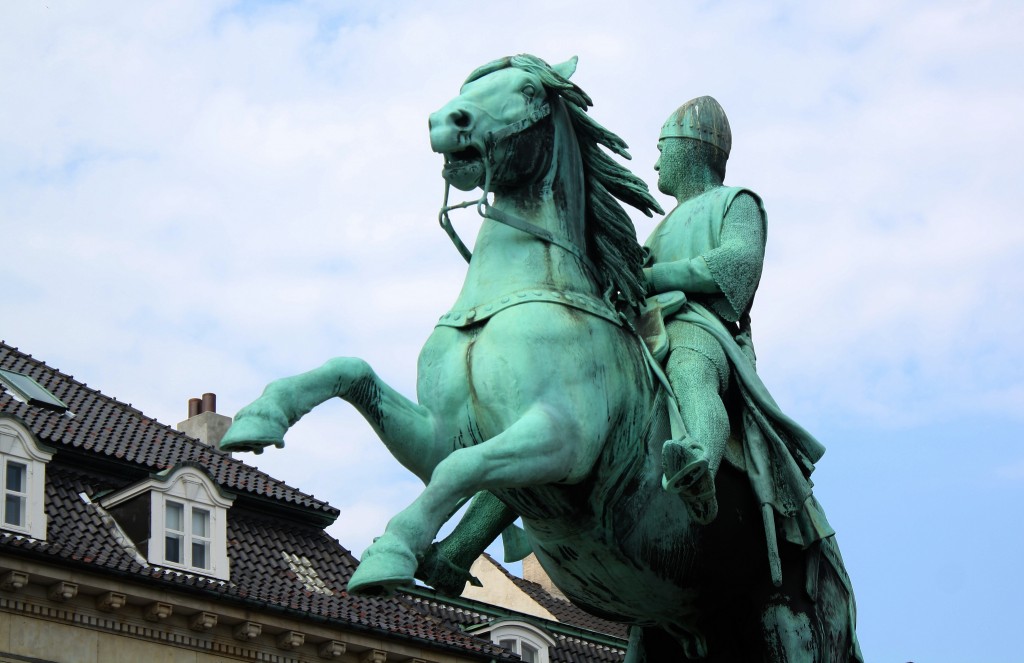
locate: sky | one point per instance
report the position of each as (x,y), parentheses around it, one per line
(206,195)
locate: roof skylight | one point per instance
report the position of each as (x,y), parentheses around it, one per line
(29,391)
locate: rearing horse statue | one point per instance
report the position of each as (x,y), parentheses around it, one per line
(536,391)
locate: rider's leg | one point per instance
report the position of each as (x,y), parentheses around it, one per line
(699,374)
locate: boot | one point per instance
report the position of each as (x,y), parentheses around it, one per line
(686,472)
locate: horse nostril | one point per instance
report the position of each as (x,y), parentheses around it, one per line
(460,118)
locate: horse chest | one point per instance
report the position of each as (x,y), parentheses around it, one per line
(444,382)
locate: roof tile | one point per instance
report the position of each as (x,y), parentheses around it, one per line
(107,426)
(79,534)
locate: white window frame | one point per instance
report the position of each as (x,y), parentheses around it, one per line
(187,536)
(192,489)
(18,445)
(522,632)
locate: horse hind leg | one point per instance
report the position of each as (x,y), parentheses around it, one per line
(815,623)
(788,616)
(653,645)
(788,635)
(445,566)
(835,606)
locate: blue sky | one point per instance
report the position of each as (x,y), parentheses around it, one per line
(204,196)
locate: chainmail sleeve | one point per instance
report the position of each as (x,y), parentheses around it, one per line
(735,265)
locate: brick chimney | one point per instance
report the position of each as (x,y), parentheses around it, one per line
(203,422)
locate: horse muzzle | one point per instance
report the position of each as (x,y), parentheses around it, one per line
(452,135)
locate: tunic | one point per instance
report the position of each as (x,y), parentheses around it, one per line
(718,266)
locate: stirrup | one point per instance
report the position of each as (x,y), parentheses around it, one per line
(703,507)
(677,479)
(693,482)
(684,480)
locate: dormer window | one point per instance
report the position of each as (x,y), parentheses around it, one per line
(186,534)
(22,480)
(177,519)
(526,650)
(15,483)
(530,642)
(15,493)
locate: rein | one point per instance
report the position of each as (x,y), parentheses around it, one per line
(487,211)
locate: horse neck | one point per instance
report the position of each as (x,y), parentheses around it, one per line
(507,260)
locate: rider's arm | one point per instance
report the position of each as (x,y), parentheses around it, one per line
(733,269)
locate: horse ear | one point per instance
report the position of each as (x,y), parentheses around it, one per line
(567,68)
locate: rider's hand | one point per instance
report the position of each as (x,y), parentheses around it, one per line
(649,277)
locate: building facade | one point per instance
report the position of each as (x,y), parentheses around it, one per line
(123,539)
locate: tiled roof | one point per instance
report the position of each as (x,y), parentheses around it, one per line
(263,549)
(577,650)
(569,647)
(564,611)
(110,428)
(278,563)
(78,536)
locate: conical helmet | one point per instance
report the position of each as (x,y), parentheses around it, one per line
(703,119)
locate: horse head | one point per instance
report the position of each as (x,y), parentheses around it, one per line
(498,133)
(519,129)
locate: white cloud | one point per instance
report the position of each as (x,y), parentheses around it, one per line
(258,176)
(208,196)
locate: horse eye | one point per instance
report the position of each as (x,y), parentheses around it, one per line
(529,91)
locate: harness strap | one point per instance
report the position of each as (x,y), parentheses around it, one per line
(446,223)
(460,318)
(486,210)
(675,417)
(517,127)
(542,234)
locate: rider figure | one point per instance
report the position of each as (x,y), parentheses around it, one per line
(710,247)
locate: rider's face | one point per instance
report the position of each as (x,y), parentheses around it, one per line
(669,165)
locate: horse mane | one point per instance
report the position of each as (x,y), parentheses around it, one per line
(611,238)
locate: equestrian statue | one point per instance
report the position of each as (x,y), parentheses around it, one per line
(601,392)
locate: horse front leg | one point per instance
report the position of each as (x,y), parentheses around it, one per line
(406,428)
(541,447)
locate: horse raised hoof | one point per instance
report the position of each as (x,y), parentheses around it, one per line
(387,565)
(253,430)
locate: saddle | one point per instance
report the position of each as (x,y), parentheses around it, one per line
(650,324)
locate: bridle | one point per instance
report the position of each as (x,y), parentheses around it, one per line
(487,211)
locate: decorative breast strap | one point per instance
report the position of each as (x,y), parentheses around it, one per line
(460,318)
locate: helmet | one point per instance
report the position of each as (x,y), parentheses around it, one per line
(702,119)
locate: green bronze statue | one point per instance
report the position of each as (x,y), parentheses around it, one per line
(711,247)
(541,393)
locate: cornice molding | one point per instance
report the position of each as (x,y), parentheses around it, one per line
(163,617)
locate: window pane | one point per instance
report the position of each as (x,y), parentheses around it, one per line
(200,554)
(508,644)
(14,510)
(200,522)
(174,518)
(16,473)
(173,544)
